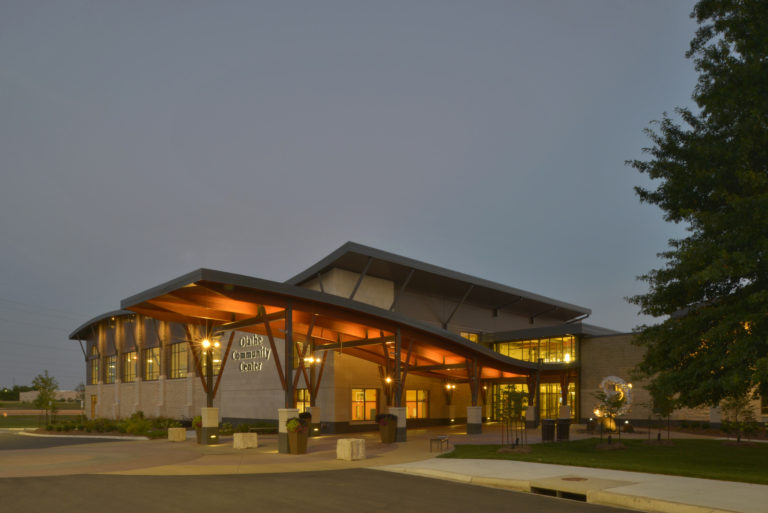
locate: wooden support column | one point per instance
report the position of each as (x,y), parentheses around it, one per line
(398,364)
(565,379)
(288,356)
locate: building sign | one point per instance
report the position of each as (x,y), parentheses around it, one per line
(254,353)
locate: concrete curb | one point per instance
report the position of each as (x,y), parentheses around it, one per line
(620,500)
(597,497)
(426,472)
(87,436)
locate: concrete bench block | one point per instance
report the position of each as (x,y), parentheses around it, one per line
(350,449)
(245,440)
(177,434)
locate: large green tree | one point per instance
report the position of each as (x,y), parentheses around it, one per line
(710,173)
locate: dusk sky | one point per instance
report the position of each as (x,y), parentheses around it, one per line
(142,140)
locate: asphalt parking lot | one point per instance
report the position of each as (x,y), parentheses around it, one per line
(12,440)
(326,491)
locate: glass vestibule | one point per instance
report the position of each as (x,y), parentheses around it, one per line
(549,350)
(551,398)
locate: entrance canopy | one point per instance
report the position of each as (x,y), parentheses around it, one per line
(222,302)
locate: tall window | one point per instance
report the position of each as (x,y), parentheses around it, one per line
(151,363)
(215,353)
(94,371)
(551,398)
(111,362)
(364,403)
(416,402)
(302,400)
(179,360)
(129,367)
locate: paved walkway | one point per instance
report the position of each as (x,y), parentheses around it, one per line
(644,492)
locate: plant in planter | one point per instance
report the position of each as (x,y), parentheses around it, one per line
(387,427)
(307,417)
(298,432)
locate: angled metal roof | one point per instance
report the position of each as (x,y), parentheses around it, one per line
(82,331)
(438,280)
(218,299)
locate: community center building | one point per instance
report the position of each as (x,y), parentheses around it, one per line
(360,332)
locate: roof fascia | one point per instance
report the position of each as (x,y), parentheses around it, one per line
(77,334)
(352,247)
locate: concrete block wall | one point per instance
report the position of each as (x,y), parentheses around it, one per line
(616,355)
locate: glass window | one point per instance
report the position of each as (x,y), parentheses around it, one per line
(472,337)
(416,402)
(302,400)
(551,398)
(94,371)
(550,350)
(215,353)
(364,403)
(151,363)
(129,367)
(179,360)
(111,362)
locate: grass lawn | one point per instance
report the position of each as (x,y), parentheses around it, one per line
(32,421)
(710,459)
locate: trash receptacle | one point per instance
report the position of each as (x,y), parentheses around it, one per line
(563,429)
(547,430)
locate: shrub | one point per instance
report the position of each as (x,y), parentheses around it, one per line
(295,424)
(383,419)
(225,429)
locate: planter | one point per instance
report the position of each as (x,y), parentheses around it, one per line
(199,435)
(297,442)
(388,432)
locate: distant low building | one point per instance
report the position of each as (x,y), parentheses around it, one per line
(61,395)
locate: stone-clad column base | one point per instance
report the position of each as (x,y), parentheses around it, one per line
(474,420)
(283,414)
(401,435)
(209,432)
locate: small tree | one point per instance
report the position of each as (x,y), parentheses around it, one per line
(511,409)
(610,406)
(46,387)
(740,414)
(663,406)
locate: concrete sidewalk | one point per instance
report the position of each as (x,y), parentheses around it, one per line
(632,490)
(644,492)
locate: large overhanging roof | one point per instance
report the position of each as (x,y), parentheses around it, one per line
(430,278)
(221,301)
